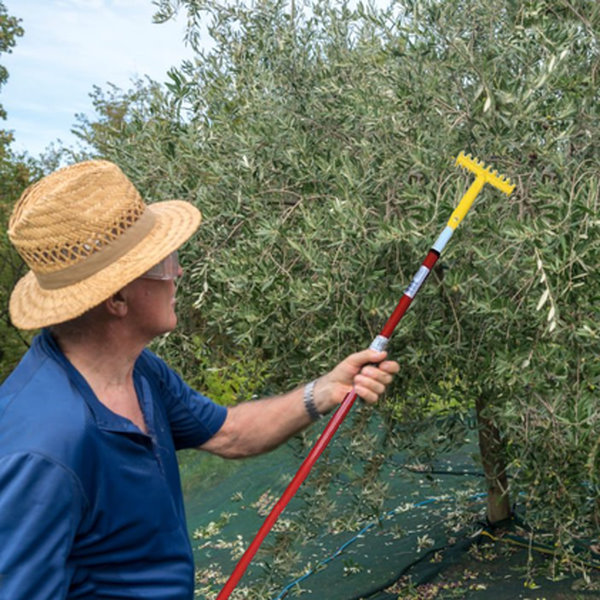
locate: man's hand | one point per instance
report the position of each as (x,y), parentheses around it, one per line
(367,372)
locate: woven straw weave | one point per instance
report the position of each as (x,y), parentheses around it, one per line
(50,235)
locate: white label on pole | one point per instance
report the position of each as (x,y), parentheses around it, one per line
(417,281)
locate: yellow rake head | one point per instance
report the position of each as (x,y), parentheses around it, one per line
(480,170)
(483,175)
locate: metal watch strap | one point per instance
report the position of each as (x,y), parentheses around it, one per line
(309,401)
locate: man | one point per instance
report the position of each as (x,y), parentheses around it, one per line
(90,497)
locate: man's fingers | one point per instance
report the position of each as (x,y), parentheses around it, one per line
(383,372)
(367,356)
(370,384)
(368,389)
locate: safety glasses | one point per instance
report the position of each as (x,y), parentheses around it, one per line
(167,268)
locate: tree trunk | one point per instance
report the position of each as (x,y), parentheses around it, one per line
(490,448)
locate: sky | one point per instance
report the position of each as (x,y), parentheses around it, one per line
(68,47)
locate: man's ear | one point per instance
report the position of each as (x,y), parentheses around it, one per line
(116,305)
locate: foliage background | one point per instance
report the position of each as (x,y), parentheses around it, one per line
(16,172)
(318,141)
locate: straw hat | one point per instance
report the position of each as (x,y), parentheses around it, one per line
(85,233)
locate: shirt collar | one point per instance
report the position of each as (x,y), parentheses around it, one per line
(105,418)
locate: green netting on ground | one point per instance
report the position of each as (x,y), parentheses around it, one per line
(429,541)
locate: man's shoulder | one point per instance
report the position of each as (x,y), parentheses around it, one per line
(39,409)
(156,371)
(32,361)
(35,379)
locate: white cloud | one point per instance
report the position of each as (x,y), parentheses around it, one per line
(68,47)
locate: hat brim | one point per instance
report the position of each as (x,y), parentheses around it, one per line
(33,307)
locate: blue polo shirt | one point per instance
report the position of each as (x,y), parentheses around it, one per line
(91,507)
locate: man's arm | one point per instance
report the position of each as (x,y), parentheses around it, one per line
(255,427)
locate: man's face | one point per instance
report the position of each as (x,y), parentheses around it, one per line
(151,306)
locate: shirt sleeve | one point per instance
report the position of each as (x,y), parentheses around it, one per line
(193,418)
(40,506)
